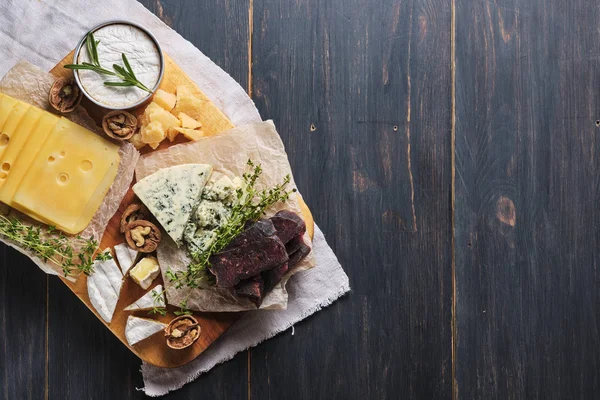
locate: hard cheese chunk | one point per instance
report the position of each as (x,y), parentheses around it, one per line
(17,143)
(21,164)
(171,193)
(69,177)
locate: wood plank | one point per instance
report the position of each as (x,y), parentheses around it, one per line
(201,24)
(360,92)
(22,327)
(527,186)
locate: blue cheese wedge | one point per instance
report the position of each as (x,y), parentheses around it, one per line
(126,256)
(138,329)
(171,193)
(104,286)
(148,301)
(213,211)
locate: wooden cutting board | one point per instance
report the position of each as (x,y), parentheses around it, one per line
(154,350)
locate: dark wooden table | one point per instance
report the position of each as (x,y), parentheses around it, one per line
(450,151)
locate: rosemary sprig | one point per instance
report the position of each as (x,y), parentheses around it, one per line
(250,205)
(126,74)
(53,246)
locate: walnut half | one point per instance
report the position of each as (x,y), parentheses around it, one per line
(182,332)
(64,95)
(119,125)
(132,213)
(142,236)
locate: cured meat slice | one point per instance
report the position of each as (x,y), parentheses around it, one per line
(252,288)
(256,249)
(297,250)
(288,225)
(273,276)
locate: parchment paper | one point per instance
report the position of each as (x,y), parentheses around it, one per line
(228,153)
(30,84)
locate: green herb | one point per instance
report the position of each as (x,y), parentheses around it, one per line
(53,246)
(249,206)
(184,310)
(126,74)
(156,298)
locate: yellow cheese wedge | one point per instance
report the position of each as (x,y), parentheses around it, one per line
(32,146)
(16,114)
(68,177)
(17,142)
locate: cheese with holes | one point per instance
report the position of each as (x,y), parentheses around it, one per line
(21,164)
(104,287)
(138,329)
(171,193)
(154,298)
(17,142)
(6,106)
(68,178)
(16,113)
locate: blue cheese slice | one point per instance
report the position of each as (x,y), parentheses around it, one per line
(171,193)
(104,286)
(147,301)
(126,257)
(138,329)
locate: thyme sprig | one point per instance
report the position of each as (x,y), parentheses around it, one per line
(251,204)
(51,245)
(126,74)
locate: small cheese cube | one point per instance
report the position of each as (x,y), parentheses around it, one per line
(151,108)
(191,134)
(188,122)
(145,272)
(136,140)
(153,133)
(164,99)
(165,118)
(187,103)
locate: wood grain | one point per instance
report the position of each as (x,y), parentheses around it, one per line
(23,340)
(360,93)
(527,187)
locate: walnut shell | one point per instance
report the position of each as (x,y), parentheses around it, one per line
(142,236)
(133,212)
(119,125)
(182,332)
(64,95)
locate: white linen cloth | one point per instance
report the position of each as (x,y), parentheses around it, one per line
(43,32)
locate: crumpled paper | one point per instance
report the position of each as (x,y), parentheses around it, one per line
(28,83)
(228,153)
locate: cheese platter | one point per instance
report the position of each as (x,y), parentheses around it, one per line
(209,226)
